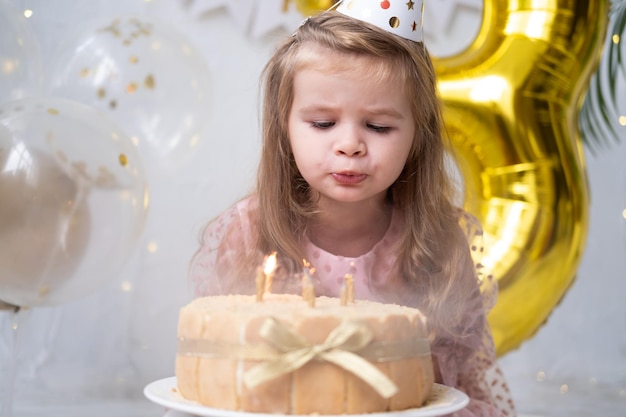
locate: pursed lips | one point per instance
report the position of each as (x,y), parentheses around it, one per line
(348,177)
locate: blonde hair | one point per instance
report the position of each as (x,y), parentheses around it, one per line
(433,255)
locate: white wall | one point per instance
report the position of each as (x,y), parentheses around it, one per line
(93,356)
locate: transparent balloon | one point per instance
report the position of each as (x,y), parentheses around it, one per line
(146,76)
(73,200)
(20,57)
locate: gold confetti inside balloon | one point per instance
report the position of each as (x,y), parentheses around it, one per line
(146,76)
(20,60)
(71,211)
(511,105)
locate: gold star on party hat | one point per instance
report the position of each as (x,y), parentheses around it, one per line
(400,17)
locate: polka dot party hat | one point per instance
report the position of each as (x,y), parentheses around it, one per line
(400,17)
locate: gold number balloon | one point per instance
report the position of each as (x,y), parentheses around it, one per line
(310,7)
(511,101)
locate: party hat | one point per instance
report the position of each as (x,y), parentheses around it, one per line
(400,17)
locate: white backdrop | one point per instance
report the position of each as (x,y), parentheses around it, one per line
(93,356)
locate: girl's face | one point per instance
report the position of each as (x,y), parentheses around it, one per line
(350,130)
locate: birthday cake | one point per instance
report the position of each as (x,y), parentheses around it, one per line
(284,354)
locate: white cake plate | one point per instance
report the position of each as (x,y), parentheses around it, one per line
(442,400)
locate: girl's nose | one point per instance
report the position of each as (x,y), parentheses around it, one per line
(350,143)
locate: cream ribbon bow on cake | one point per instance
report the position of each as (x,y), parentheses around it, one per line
(339,348)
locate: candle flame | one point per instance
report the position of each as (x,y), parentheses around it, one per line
(270,264)
(308,268)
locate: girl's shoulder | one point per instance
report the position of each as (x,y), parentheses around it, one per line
(240,210)
(232,224)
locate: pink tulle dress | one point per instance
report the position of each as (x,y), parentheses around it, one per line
(475,371)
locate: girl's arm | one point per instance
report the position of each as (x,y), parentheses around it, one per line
(479,375)
(481,378)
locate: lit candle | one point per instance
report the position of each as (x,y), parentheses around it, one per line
(349,281)
(308,289)
(270,267)
(260,284)
(343,300)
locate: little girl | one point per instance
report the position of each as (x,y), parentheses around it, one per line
(352,178)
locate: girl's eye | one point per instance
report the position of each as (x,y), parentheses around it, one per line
(322,125)
(379,129)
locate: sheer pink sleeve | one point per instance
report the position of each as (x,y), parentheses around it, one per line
(482,380)
(474,234)
(480,376)
(226,240)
